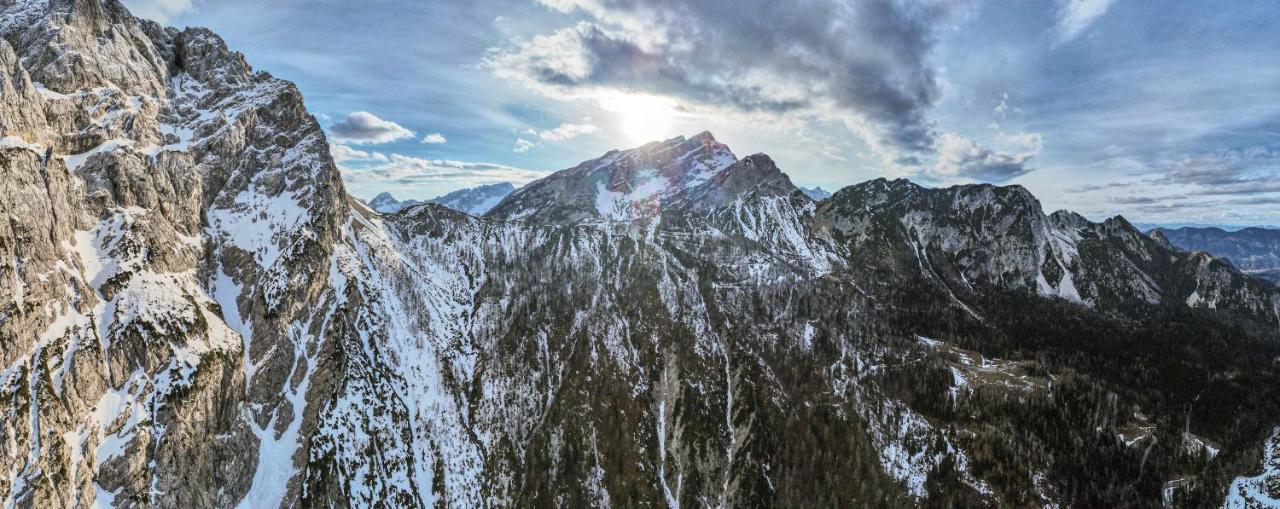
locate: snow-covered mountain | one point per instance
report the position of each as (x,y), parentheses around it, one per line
(641,184)
(386,203)
(194,313)
(816,192)
(473,200)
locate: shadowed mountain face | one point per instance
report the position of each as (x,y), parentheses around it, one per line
(1256,251)
(193,313)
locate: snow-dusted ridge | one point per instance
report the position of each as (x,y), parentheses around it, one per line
(194,313)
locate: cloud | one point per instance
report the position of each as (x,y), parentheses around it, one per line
(1076,15)
(523,145)
(1029,141)
(1004,108)
(160,11)
(861,63)
(397,169)
(434,139)
(362,127)
(1138,200)
(961,157)
(562,132)
(1253,170)
(344,154)
(1088,188)
(567,131)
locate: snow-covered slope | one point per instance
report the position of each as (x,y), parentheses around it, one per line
(1263,489)
(194,313)
(639,185)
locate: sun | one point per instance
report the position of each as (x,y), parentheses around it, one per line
(641,118)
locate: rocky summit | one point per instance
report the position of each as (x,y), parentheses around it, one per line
(194,313)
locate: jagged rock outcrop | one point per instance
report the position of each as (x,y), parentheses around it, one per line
(977,237)
(137,171)
(193,313)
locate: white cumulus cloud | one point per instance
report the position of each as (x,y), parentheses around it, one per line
(362,127)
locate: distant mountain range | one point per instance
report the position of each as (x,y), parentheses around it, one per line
(1255,251)
(1148,227)
(474,200)
(195,313)
(816,192)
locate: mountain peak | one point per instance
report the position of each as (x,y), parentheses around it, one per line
(694,173)
(703,137)
(383,201)
(816,192)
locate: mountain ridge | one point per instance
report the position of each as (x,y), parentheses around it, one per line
(189,293)
(1255,250)
(472,200)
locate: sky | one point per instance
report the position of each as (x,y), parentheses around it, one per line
(1164,112)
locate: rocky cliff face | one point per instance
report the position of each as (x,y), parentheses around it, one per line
(193,313)
(169,211)
(977,237)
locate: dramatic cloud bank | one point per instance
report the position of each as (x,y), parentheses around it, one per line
(1162,111)
(961,157)
(863,63)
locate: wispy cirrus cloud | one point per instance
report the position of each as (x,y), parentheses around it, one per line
(1253,170)
(1074,16)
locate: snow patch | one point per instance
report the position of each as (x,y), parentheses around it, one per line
(1259,490)
(75,161)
